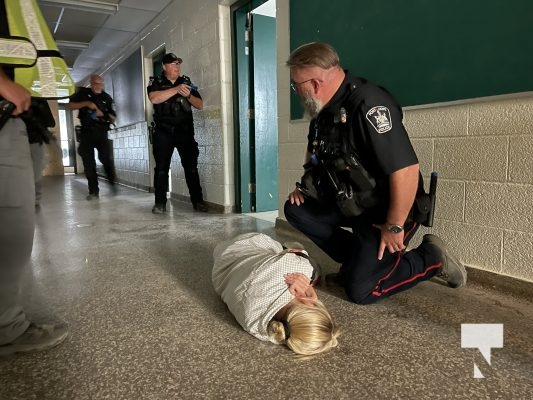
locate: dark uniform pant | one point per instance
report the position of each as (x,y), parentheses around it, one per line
(164,143)
(366,279)
(96,138)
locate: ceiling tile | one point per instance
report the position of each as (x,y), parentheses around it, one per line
(130,19)
(112,38)
(84,18)
(73,33)
(106,35)
(152,5)
(50,13)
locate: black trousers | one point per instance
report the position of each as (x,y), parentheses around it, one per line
(366,279)
(165,140)
(96,138)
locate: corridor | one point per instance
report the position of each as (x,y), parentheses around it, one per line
(145,322)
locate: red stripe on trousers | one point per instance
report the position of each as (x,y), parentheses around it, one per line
(411,279)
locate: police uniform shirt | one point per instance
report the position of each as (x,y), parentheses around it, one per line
(248,274)
(374,119)
(164,111)
(102,100)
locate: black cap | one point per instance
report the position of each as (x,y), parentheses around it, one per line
(170,58)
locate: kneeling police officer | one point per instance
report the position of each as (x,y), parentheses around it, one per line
(361,172)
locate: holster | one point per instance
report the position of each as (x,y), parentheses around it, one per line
(325,184)
(6,109)
(354,173)
(421,208)
(77,130)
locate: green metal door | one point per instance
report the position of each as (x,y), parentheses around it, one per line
(244,180)
(256,110)
(266,113)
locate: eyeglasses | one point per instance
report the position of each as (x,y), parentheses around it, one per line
(175,63)
(294,84)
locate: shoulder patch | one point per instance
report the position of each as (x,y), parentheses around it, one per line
(380,119)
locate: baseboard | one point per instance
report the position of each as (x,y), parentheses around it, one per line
(138,186)
(501,283)
(213,207)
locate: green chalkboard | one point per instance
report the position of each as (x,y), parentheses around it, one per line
(425,51)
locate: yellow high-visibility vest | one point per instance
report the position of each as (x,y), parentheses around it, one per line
(31,49)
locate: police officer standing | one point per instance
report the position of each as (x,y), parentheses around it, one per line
(173,97)
(362,173)
(97,113)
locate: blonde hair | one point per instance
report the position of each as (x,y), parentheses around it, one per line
(311,329)
(314,54)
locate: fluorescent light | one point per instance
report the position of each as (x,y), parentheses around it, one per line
(72,45)
(96,6)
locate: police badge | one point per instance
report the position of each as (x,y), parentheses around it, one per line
(340,116)
(380,119)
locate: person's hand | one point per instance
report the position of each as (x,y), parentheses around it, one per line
(16,94)
(393,242)
(300,285)
(183,90)
(99,113)
(94,107)
(296,197)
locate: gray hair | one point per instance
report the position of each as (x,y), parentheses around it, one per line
(314,54)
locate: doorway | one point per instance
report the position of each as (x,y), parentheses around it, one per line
(67,138)
(153,68)
(256,127)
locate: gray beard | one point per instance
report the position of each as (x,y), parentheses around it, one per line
(311,107)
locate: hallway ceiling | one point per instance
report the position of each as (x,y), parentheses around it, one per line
(89,33)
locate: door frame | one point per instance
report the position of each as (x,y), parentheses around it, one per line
(244,124)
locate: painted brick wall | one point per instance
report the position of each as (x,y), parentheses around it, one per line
(130,151)
(482,152)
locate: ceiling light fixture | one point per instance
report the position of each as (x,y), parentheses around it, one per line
(96,6)
(72,45)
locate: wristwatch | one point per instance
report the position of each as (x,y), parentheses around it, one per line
(394,228)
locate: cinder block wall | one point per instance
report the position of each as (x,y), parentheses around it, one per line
(482,153)
(130,152)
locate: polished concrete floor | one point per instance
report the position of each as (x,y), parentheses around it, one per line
(145,322)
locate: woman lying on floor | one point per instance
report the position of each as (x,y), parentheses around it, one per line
(270,292)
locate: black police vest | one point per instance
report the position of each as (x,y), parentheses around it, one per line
(103,101)
(174,110)
(339,172)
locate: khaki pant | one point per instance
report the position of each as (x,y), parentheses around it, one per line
(17,223)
